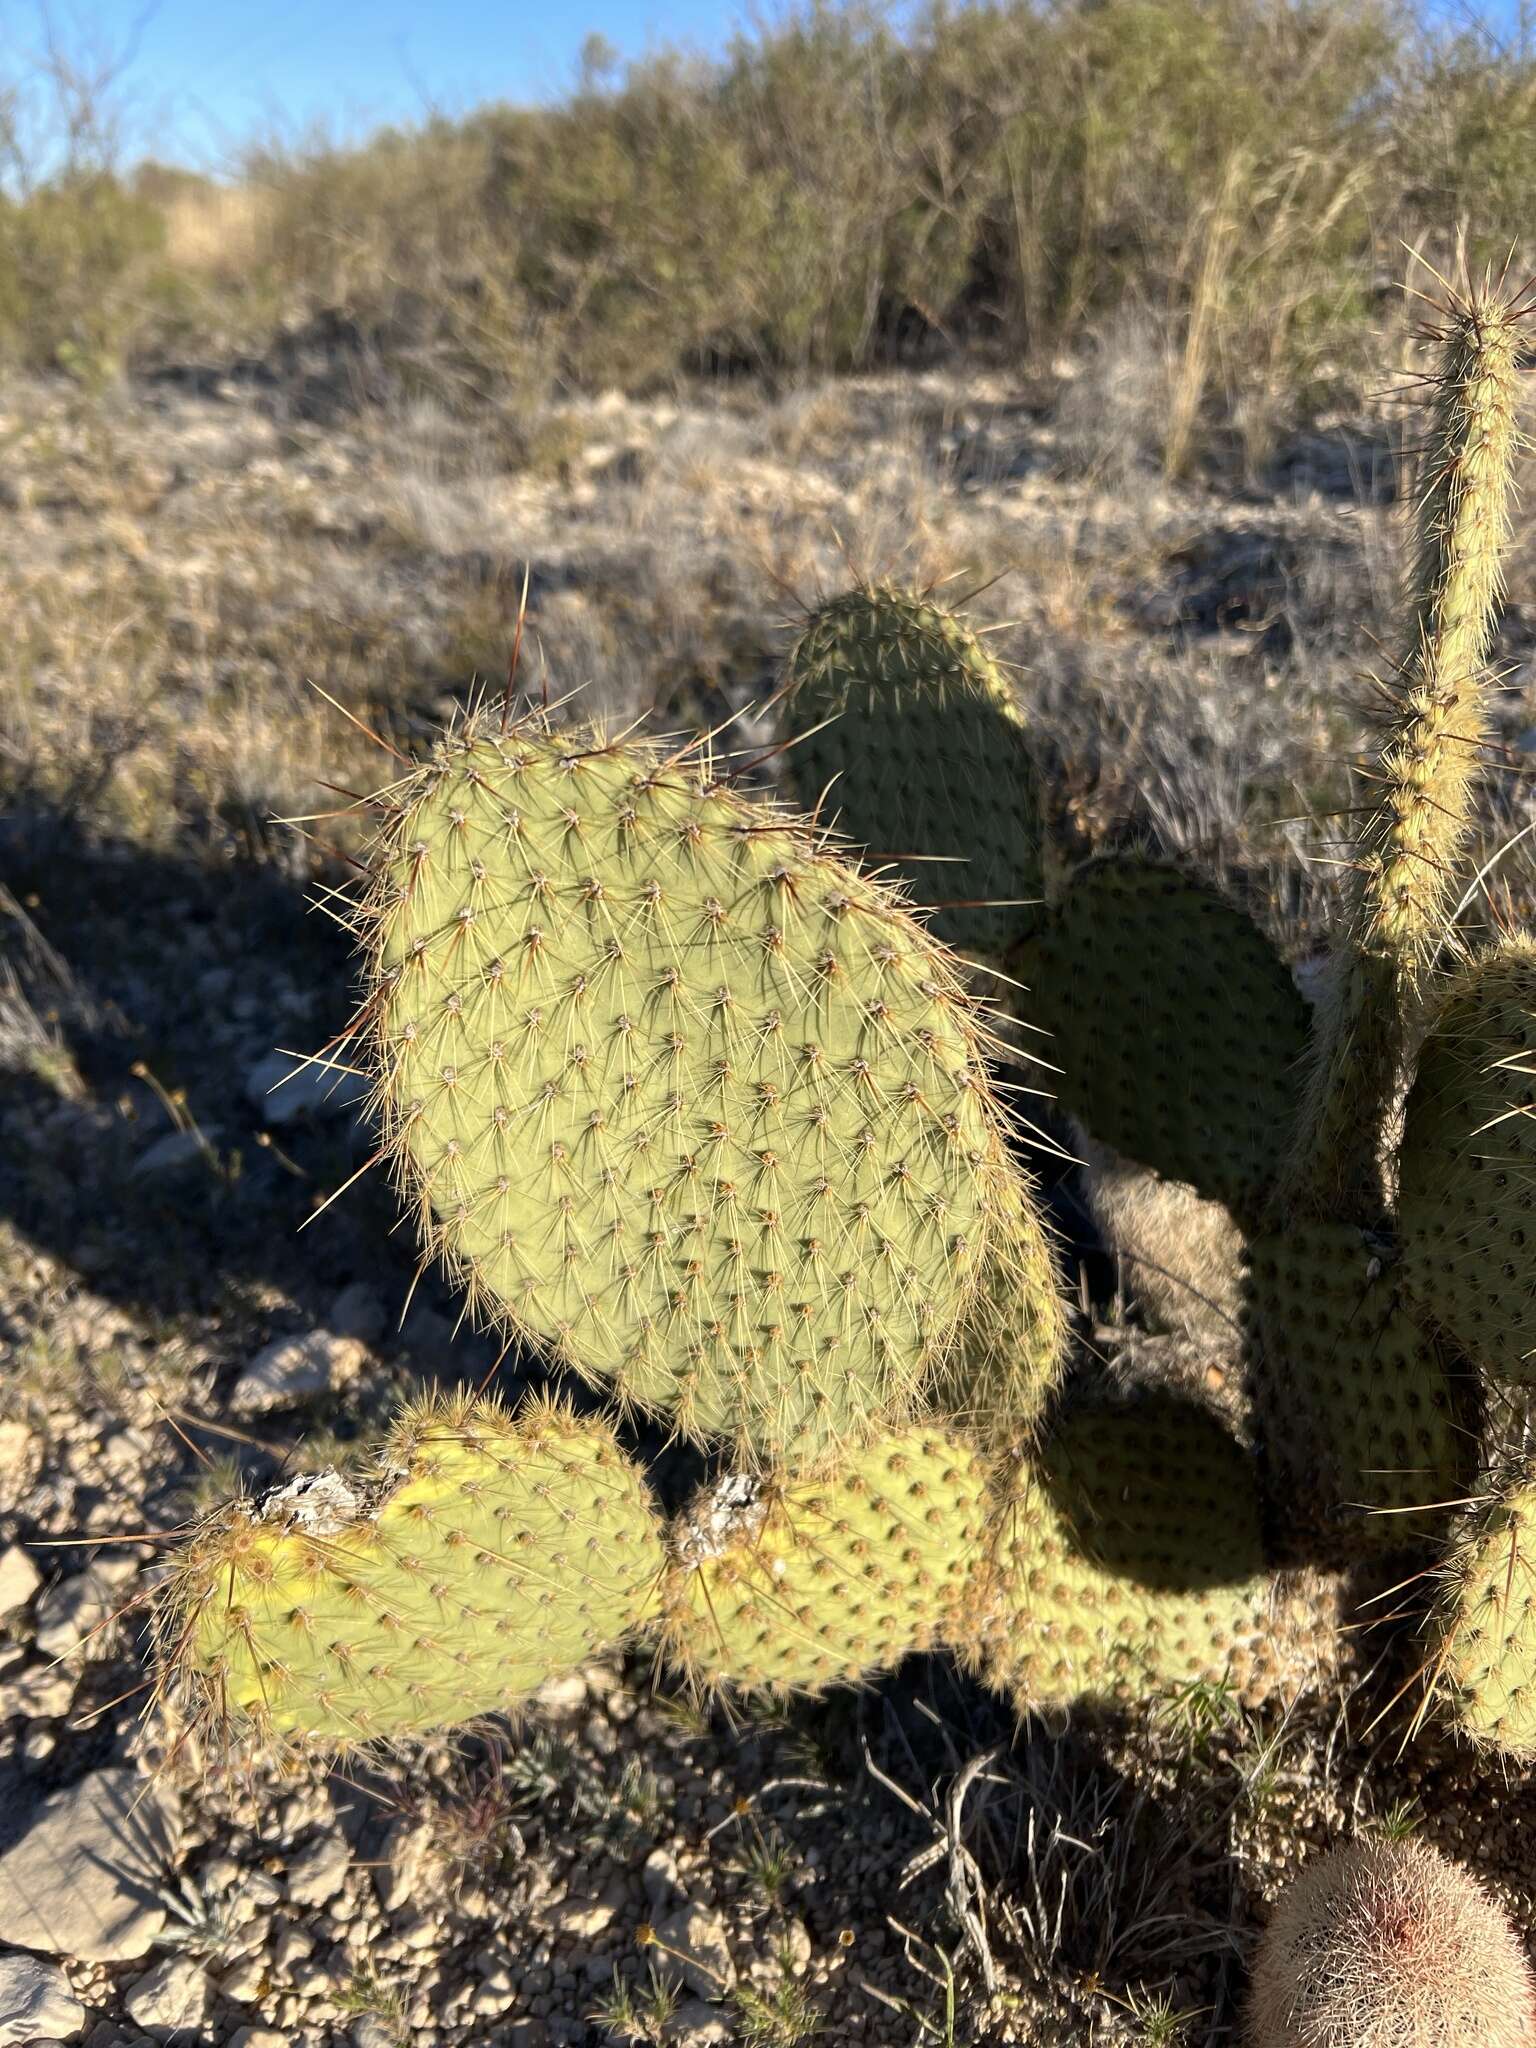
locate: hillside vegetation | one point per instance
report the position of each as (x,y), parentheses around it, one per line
(1241,175)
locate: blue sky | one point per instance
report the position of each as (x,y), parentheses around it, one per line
(205,74)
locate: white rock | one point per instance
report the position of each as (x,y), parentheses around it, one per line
(36,2003)
(172,1996)
(19,1580)
(294,1369)
(697,2025)
(285,1088)
(73,1615)
(662,1880)
(583,1917)
(693,1942)
(372,2032)
(84,1879)
(258,2037)
(319,1874)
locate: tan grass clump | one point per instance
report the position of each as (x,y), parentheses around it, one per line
(1388,1944)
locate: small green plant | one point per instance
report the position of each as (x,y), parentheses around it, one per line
(637,2013)
(781,2018)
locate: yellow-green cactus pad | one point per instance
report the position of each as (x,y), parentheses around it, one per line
(675,1090)
(1367,1425)
(782,1584)
(481,1555)
(1483,1634)
(907,735)
(1467,1198)
(1130,1563)
(998,1379)
(1178,1031)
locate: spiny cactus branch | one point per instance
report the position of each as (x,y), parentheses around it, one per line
(1417,824)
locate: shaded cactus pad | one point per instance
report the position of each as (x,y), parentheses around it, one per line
(1130,1563)
(675,1090)
(482,1555)
(1178,1031)
(1483,1655)
(1367,1425)
(795,1584)
(1467,1200)
(924,755)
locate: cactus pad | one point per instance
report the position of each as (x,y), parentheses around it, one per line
(1483,1659)
(784,1584)
(1130,1563)
(998,1378)
(924,755)
(1178,1031)
(1366,1424)
(484,1554)
(1467,1198)
(676,1090)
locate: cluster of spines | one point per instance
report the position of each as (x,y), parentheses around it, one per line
(1433,731)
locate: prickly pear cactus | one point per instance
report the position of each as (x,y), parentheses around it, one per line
(1130,1562)
(998,1379)
(786,1584)
(1482,1658)
(908,735)
(1369,1426)
(1467,1193)
(1178,1032)
(674,1089)
(481,1554)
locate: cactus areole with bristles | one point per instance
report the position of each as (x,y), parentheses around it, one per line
(675,1090)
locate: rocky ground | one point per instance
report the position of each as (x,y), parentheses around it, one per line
(184,559)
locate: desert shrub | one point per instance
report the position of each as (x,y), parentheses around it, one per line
(75,255)
(1238,175)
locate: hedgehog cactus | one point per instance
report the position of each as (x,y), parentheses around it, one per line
(1384,1944)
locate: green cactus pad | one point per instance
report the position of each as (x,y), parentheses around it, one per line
(1368,1430)
(924,755)
(997,1380)
(675,1090)
(482,1555)
(1178,1032)
(1467,1198)
(1130,1563)
(1483,1633)
(783,1585)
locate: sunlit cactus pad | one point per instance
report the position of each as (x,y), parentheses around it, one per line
(1130,1564)
(1483,1654)
(676,1089)
(998,1379)
(1178,1031)
(907,731)
(1467,1206)
(789,1585)
(481,1555)
(1367,1423)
